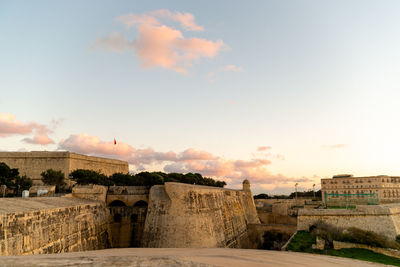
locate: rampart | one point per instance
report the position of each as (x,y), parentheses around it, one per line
(32,164)
(382,219)
(52,225)
(182,215)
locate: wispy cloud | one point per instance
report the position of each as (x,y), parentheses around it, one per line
(10,126)
(212,76)
(335,146)
(263,148)
(159,45)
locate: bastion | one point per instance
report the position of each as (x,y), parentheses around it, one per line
(32,164)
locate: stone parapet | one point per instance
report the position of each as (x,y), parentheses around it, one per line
(75,225)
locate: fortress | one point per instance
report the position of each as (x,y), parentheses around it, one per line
(32,164)
(98,217)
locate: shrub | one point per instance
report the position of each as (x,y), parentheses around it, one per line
(52,177)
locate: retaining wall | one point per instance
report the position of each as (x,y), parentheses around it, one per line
(381,219)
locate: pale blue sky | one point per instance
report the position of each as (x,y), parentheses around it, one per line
(315,74)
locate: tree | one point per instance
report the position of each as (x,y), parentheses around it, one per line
(84,177)
(53,177)
(10,177)
(7,175)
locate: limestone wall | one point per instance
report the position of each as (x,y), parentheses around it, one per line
(182,215)
(381,219)
(32,164)
(52,225)
(91,191)
(104,165)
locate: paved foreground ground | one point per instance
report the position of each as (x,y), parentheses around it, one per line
(181,257)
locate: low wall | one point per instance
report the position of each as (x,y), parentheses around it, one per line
(91,191)
(272,218)
(381,219)
(182,215)
(52,225)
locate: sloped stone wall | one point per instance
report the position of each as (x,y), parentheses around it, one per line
(182,215)
(53,225)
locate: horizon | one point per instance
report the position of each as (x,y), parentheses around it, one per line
(274,92)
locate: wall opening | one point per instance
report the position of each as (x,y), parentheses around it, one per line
(117,203)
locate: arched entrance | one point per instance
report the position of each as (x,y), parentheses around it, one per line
(138,217)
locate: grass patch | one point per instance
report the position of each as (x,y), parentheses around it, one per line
(303,241)
(361,254)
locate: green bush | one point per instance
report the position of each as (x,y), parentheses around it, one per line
(53,177)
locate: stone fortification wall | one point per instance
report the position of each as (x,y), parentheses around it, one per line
(381,219)
(182,215)
(104,165)
(32,164)
(52,225)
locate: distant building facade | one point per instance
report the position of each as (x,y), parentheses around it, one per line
(343,189)
(32,164)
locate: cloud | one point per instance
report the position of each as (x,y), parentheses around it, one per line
(232,68)
(10,126)
(263,148)
(189,160)
(212,76)
(335,146)
(159,45)
(39,139)
(186,20)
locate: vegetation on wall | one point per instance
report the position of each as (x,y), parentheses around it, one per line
(304,194)
(14,182)
(141,179)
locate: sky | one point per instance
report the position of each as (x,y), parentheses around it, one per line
(276,92)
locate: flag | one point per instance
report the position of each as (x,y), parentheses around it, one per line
(115,141)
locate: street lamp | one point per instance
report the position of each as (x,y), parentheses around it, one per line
(295,186)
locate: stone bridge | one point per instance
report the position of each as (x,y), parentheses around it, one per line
(130,196)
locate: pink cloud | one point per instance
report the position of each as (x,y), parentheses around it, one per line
(189,160)
(39,139)
(186,20)
(10,126)
(263,148)
(159,45)
(88,144)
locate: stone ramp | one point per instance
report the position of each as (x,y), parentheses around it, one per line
(182,257)
(16,205)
